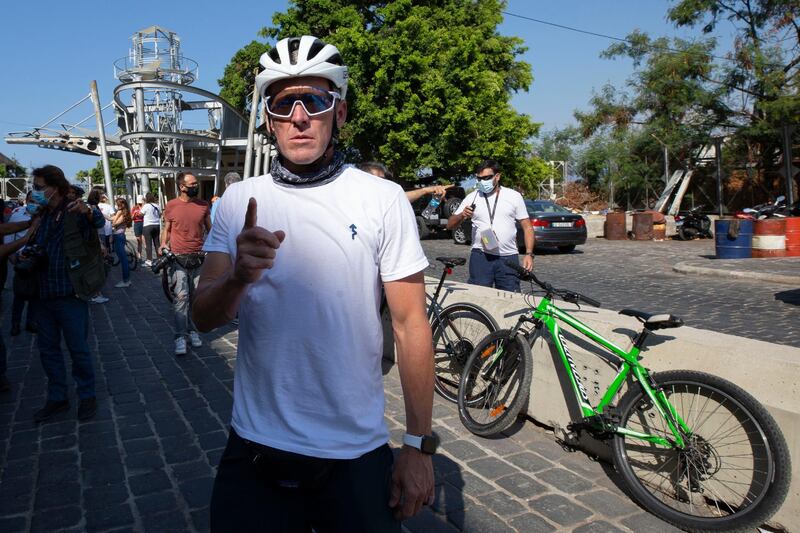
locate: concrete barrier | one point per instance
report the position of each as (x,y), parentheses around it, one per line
(770,372)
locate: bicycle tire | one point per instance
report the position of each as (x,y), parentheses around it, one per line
(699,479)
(456,332)
(485,406)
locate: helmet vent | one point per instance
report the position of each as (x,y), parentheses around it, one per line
(274,55)
(294,46)
(316,46)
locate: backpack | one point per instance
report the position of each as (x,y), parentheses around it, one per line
(84,258)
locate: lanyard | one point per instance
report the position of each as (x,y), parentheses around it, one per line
(493,210)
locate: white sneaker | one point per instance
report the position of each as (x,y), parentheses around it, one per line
(99,299)
(196,340)
(123,284)
(180,346)
(147,263)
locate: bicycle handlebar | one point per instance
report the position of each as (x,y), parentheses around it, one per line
(569,296)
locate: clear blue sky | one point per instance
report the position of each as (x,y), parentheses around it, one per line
(52,50)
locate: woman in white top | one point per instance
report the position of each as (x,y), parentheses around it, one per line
(152,227)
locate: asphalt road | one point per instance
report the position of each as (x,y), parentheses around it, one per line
(639,275)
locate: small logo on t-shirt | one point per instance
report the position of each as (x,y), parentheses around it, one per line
(353,229)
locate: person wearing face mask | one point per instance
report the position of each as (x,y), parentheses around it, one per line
(494,211)
(66,262)
(186,221)
(21,214)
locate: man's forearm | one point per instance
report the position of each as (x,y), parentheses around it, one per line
(415,359)
(454,221)
(14,227)
(216,301)
(530,241)
(10,248)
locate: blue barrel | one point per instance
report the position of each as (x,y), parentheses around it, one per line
(733,238)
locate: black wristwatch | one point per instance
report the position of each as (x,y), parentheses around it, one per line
(424,443)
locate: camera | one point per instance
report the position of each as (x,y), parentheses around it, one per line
(159,264)
(32,258)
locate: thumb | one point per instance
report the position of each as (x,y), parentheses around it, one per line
(251,217)
(280,234)
(395,493)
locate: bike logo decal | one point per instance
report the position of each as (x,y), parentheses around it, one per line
(353,229)
(575,374)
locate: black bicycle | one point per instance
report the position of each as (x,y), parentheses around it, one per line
(456,329)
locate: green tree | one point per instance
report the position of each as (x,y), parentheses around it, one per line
(95,176)
(239,75)
(430,83)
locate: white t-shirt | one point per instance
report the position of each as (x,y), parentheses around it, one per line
(152,215)
(308,372)
(19,214)
(510,208)
(107,211)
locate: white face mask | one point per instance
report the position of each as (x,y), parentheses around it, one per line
(486,186)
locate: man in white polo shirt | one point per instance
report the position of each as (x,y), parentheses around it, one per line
(494,210)
(301,254)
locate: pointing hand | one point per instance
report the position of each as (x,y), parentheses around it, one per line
(256,247)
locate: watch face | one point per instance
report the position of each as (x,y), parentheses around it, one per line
(429,444)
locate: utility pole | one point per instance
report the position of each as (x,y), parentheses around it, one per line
(103,151)
(666,157)
(718,159)
(789,170)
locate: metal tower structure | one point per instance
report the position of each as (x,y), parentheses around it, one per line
(156,138)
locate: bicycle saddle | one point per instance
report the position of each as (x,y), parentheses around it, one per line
(450,262)
(654,321)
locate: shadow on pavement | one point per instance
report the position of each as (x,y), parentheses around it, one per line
(789,297)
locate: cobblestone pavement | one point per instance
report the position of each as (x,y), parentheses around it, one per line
(639,275)
(146,462)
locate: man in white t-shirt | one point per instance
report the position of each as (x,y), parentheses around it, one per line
(494,210)
(300,254)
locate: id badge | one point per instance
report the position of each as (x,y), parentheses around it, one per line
(489,240)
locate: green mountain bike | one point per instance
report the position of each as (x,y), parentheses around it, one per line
(692,448)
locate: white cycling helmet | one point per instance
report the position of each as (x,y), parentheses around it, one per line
(302,56)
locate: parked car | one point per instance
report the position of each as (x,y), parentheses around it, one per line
(438,222)
(553,226)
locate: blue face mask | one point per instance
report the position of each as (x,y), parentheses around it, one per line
(40,198)
(32,209)
(486,186)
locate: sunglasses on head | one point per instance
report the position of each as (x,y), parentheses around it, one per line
(314,102)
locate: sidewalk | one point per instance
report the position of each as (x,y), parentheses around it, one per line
(146,462)
(775,270)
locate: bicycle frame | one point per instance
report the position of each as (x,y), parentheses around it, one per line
(548,315)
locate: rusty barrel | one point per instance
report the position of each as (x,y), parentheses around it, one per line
(793,237)
(615,227)
(643,226)
(659,232)
(769,237)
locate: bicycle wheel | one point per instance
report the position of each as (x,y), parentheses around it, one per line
(495,383)
(735,472)
(130,250)
(456,332)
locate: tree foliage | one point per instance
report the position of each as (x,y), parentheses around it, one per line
(682,93)
(430,83)
(95,175)
(239,75)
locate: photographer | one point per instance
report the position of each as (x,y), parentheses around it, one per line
(186,221)
(6,249)
(65,260)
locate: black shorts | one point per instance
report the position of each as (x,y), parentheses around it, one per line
(260,488)
(138,227)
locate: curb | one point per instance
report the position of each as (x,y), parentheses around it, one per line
(685,268)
